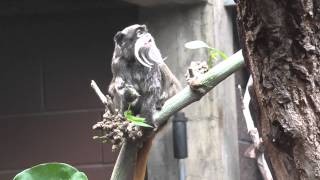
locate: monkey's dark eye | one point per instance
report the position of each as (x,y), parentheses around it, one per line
(139,32)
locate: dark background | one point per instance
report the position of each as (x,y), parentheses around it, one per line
(49,52)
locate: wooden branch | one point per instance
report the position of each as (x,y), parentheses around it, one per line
(125,161)
(101,96)
(105,99)
(208,81)
(254,151)
(263,167)
(245,106)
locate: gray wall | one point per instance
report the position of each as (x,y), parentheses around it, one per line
(212,126)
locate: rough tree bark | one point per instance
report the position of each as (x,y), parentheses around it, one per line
(281,44)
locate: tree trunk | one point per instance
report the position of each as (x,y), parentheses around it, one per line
(281,43)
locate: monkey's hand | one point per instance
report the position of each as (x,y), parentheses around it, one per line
(124,93)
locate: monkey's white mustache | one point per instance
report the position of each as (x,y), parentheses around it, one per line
(145,49)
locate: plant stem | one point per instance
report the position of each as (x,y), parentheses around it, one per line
(98,92)
(125,161)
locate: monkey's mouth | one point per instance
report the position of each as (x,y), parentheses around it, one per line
(146,51)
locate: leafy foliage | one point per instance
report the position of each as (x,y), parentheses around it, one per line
(138,121)
(51,171)
(214,53)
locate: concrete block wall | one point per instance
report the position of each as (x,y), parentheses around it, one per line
(212,126)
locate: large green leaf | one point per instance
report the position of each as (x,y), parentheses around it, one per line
(51,171)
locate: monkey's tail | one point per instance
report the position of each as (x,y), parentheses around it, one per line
(170,77)
(142,160)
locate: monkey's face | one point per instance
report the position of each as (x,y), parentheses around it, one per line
(136,43)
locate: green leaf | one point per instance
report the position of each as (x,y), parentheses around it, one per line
(219,52)
(213,55)
(138,121)
(196,44)
(51,171)
(210,63)
(127,113)
(142,124)
(222,54)
(133,118)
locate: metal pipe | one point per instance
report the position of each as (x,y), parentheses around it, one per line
(182,169)
(229,3)
(180,145)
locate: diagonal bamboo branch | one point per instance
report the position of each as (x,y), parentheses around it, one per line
(209,80)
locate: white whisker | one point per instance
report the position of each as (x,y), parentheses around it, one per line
(137,47)
(155,54)
(146,59)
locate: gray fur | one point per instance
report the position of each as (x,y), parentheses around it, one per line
(145,88)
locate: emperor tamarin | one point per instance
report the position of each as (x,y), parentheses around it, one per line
(140,76)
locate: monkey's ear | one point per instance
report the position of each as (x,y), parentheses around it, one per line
(118,37)
(144,27)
